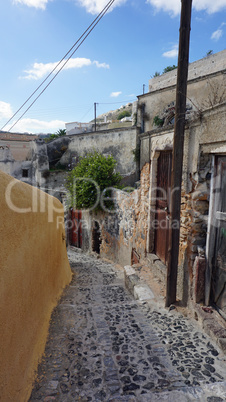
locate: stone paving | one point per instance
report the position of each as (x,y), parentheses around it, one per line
(105,346)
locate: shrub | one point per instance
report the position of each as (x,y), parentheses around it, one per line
(92,172)
(169,68)
(158,121)
(136,154)
(157,74)
(124,113)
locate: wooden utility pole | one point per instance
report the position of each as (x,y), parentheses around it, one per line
(178,150)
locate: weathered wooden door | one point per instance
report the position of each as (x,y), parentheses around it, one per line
(218,288)
(162,205)
(76,228)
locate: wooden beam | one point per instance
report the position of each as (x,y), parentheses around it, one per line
(178,150)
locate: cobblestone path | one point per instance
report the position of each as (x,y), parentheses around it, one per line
(105,346)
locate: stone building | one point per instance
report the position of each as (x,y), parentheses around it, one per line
(30,169)
(139,230)
(19,144)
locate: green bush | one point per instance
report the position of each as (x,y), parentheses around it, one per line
(136,154)
(59,133)
(124,113)
(157,74)
(93,173)
(169,68)
(157,121)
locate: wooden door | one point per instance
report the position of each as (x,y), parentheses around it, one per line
(76,228)
(218,286)
(162,205)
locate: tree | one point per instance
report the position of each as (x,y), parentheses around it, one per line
(89,182)
(61,132)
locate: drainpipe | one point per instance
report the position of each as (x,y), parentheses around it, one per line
(178,150)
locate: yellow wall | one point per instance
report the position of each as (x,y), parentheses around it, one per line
(34,269)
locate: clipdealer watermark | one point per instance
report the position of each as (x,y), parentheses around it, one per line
(41,202)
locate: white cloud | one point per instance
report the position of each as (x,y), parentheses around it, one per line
(115,94)
(33,3)
(209,5)
(171,6)
(171,53)
(216,35)
(5,110)
(174,6)
(39,70)
(36,126)
(101,65)
(96,6)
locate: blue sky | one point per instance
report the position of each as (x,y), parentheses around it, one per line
(132,42)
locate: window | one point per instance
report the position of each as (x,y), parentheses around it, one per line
(24,172)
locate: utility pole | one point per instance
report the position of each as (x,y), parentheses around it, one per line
(178,151)
(95,116)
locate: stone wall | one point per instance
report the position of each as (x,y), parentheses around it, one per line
(204,137)
(126,229)
(206,88)
(117,142)
(200,68)
(34,269)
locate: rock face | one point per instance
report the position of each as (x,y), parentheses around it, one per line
(114,114)
(56,148)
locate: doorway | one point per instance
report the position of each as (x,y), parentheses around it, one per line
(161,242)
(218,277)
(76,228)
(96,240)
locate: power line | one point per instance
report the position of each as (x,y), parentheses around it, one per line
(85,34)
(87,112)
(114,103)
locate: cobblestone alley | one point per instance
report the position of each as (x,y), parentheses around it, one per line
(105,346)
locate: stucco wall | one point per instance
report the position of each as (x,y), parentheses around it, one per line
(34,269)
(118,142)
(200,68)
(206,84)
(19,149)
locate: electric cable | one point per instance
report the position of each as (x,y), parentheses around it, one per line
(114,103)
(89,30)
(86,112)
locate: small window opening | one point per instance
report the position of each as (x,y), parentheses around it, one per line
(24,172)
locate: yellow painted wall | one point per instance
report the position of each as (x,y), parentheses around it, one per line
(34,269)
